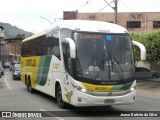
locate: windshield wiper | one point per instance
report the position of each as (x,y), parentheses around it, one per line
(115,65)
(103,61)
(79,67)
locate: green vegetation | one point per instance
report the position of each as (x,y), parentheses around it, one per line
(151,41)
(14,32)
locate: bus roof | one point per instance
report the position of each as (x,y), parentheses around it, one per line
(93,26)
(83,25)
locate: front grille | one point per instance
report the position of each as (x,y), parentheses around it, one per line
(108,93)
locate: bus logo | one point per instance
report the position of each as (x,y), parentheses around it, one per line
(110,94)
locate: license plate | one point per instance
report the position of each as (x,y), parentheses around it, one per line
(109,101)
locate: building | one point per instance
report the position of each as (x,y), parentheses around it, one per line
(1,32)
(1,41)
(133,21)
(12,48)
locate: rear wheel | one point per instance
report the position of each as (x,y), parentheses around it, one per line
(60,101)
(29,87)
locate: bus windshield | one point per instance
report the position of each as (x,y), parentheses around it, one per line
(104,57)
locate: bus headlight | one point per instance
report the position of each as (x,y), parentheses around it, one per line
(79,88)
(83,90)
(132,89)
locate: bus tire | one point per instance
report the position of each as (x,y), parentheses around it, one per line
(60,101)
(29,87)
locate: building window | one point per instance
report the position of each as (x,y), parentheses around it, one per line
(156,24)
(133,24)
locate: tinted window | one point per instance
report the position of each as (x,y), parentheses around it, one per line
(66,33)
(47,44)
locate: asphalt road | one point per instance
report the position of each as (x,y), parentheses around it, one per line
(14,97)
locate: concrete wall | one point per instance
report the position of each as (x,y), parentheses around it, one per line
(150,65)
(145,64)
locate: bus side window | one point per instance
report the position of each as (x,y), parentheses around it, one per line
(67,59)
(56,51)
(66,33)
(49,51)
(52,44)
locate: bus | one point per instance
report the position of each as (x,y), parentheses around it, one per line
(81,63)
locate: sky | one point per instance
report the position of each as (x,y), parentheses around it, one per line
(37,15)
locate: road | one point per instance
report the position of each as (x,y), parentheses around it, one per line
(14,97)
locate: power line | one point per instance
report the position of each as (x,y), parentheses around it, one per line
(87,2)
(109,3)
(104,7)
(126,6)
(115,9)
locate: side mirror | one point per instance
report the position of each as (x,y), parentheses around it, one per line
(142,49)
(72,47)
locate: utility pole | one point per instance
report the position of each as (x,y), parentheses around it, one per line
(115,12)
(115,8)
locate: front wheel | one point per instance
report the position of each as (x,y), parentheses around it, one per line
(60,101)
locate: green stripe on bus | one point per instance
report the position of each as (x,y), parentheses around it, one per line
(43,70)
(122,87)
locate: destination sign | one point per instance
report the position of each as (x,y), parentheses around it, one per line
(90,36)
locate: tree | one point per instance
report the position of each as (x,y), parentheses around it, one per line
(20,36)
(151,41)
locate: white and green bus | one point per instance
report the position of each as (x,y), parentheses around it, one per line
(82,63)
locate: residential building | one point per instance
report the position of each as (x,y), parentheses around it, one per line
(1,41)
(13,46)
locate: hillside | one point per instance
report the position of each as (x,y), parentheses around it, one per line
(12,31)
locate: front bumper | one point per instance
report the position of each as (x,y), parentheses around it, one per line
(82,99)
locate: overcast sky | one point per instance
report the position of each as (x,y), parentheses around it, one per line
(25,14)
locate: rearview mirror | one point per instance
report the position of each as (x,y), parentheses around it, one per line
(72,47)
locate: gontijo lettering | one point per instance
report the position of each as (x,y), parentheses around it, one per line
(31,62)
